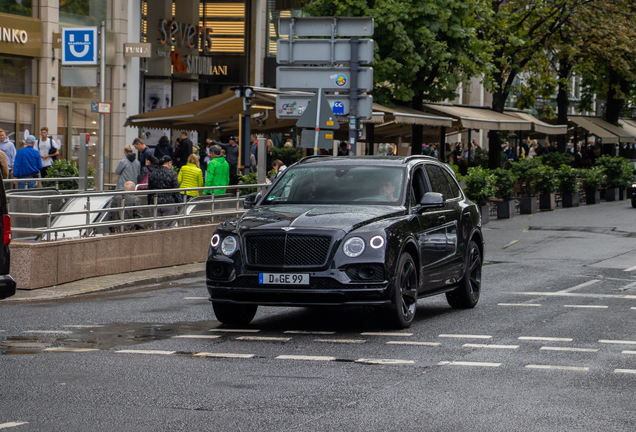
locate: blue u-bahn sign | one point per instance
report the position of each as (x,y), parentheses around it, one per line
(79,46)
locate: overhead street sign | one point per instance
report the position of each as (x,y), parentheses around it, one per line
(326,78)
(325,139)
(292,106)
(79,46)
(323,26)
(319,51)
(326,120)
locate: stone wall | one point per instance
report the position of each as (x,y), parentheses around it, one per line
(44,264)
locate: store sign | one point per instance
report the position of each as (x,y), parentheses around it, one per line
(193,64)
(174,33)
(137,50)
(79,46)
(20,36)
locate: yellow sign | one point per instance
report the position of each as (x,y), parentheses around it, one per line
(20,36)
(329,122)
(329,136)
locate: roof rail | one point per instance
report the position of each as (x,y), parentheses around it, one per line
(311,157)
(410,158)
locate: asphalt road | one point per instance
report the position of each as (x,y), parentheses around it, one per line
(550,347)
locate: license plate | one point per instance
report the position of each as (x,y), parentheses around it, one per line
(283,278)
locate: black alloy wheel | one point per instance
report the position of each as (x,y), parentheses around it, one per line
(234,314)
(405,292)
(467,294)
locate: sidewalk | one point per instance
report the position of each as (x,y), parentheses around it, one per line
(111,282)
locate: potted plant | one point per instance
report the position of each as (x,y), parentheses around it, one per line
(505,182)
(618,172)
(591,181)
(546,184)
(480,187)
(569,185)
(527,171)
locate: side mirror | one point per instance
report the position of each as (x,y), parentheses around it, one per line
(251,200)
(431,200)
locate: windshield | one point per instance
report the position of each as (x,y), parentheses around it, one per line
(339,185)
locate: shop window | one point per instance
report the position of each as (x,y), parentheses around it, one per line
(27,119)
(27,8)
(279,9)
(8,120)
(18,75)
(86,12)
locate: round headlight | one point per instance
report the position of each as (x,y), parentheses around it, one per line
(377,242)
(214,241)
(228,245)
(353,247)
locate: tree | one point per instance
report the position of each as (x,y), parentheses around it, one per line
(423,48)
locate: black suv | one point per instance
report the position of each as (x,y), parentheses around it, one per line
(379,231)
(7,284)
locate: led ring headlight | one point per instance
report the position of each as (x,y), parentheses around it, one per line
(353,247)
(214,241)
(376,242)
(229,245)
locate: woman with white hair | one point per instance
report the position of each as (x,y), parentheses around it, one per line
(128,168)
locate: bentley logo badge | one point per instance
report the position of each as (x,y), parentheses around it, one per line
(288,228)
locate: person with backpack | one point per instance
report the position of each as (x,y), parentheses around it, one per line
(48,151)
(164,148)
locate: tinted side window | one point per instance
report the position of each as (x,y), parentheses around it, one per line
(438,181)
(453,185)
(420,186)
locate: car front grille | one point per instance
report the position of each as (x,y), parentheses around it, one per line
(287,250)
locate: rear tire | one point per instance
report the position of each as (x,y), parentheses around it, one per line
(404,293)
(234,314)
(467,294)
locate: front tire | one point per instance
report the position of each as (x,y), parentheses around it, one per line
(467,294)
(404,293)
(234,314)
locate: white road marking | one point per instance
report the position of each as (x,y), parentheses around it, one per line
(606,341)
(540,338)
(82,326)
(526,229)
(196,298)
(518,304)
(510,244)
(628,352)
(465,363)
(308,332)
(65,349)
(572,368)
(628,371)
(223,355)
(465,336)
(263,338)
(579,286)
(197,336)
(633,308)
(302,357)
(546,348)
(630,269)
(49,331)
(12,424)
(235,330)
(628,286)
(413,343)
(385,334)
(340,340)
(145,352)
(384,361)
(490,346)
(586,306)
(569,294)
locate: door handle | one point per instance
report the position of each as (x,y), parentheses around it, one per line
(441,219)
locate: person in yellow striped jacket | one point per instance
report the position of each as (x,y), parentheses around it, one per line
(190,176)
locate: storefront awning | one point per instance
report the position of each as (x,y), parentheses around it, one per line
(622,134)
(479,118)
(629,125)
(603,134)
(538,125)
(403,115)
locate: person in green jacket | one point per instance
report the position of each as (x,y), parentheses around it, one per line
(218,173)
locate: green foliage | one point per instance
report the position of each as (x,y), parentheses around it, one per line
(568,179)
(593,179)
(556,159)
(289,155)
(505,182)
(480,185)
(547,180)
(480,158)
(527,171)
(66,168)
(14,7)
(618,170)
(251,178)
(455,169)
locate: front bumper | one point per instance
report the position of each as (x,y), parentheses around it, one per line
(7,286)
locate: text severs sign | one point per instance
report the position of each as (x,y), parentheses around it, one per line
(79,46)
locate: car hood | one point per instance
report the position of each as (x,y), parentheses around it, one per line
(327,217)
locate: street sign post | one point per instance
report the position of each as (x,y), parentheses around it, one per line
(79,46)
(322,139)
(335,79)
(325,119)
(293,106)
(322,51)
(324,26)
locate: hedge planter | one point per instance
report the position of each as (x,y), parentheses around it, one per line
(528,205)
(485,213)
(547,201)
(611,194)
(592,197)
(505,209)
(570,199)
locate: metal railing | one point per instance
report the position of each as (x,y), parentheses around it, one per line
(56,180)
(204,207)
